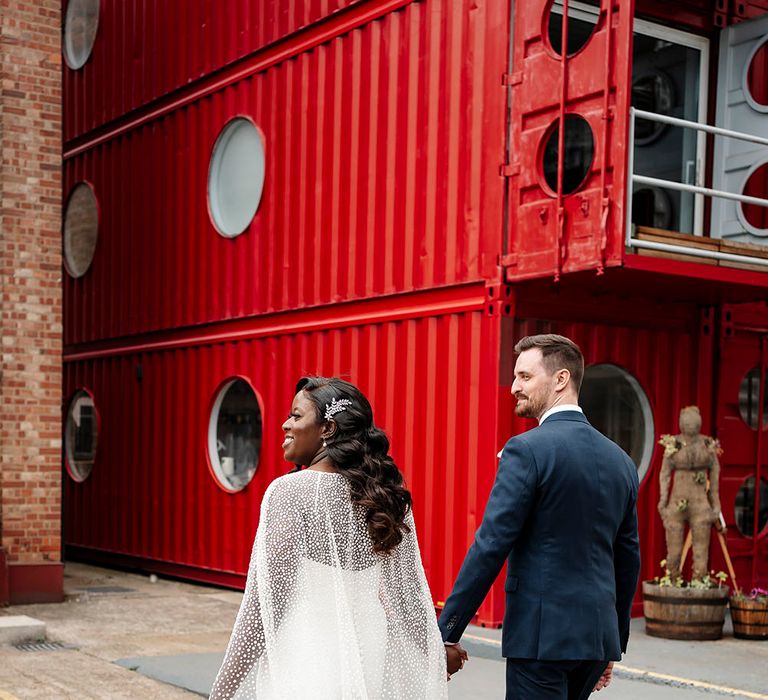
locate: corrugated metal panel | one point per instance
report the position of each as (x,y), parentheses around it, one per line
(383,149)
(742,351)
(151,494)
(665,363)
(146,49)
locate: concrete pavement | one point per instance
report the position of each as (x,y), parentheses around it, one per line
(124,636)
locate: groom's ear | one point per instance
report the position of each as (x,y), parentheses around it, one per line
(562,379)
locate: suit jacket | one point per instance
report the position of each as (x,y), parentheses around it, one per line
(562,513)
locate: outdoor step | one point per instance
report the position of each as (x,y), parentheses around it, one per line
(16,629)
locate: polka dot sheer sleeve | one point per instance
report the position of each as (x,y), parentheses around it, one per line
(323,615)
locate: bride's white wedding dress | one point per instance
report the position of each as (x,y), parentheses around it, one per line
(323,616)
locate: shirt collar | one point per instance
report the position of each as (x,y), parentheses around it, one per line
(558,409)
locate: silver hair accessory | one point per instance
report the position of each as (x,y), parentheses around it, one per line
(336,407)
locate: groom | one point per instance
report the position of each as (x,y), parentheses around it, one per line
(562,514)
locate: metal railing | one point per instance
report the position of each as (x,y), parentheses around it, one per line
(681,187)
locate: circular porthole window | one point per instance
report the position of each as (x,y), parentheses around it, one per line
(81,229)
(651,206)
(579,152)
(749,399)
(652,91)
(582,21)
(234,434)
(81,436)
(81,23)
(744,507)
(754,217)
(615,403)
(236,177)
(756,77)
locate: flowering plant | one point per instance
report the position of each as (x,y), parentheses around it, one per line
(759,595)
(711,580)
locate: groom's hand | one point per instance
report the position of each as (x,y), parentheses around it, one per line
(455,656)
(605,680)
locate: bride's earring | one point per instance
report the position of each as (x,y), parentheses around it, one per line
(325,444)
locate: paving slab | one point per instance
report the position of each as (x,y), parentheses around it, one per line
(193,672)
(131,636)
(75,675)
(652,667)
(483,679)
(728,662)
(15,629)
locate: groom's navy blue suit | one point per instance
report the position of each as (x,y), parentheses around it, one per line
(562,513)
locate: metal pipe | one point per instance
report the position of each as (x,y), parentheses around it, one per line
(561,138)
(631,174)
(758,461)
(672,185)
(697,252)
(605,201)
(675,121)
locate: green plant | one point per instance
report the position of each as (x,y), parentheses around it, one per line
(711,580)
(706,582)
(759,595)
(666,579)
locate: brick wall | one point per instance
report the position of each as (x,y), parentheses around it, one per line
(30,291)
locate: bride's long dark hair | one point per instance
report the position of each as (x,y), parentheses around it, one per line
(360,451)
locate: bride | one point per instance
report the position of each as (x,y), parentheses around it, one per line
(336,604)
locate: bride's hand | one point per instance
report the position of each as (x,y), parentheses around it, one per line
(455,656)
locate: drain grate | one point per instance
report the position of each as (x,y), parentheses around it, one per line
(107,589)
(43,646)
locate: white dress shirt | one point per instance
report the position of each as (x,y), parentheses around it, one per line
(551,411)
(557,409)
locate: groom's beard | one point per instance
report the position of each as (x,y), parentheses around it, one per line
(527,407)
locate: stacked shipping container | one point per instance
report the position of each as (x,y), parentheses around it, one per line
(386,230)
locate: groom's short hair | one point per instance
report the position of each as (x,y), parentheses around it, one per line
(558,352)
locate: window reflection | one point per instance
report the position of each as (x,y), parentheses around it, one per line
(749,399)
(744,508)
(236,423)
(615,403)
(81,436)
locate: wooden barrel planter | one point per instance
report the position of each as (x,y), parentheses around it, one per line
(750,618)
(684,613)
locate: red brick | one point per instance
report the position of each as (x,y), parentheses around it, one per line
(30,263)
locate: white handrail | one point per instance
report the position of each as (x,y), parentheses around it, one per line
(676,121)
(679,186)
(696,189)
(700,252)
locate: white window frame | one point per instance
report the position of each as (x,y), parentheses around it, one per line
(66,42)
(701,44)
(216,211)
(590,13)
(220,477)
(69,458)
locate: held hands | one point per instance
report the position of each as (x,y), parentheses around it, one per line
(455,656)
(605,680)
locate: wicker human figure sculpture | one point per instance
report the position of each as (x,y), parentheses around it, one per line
(694,495)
